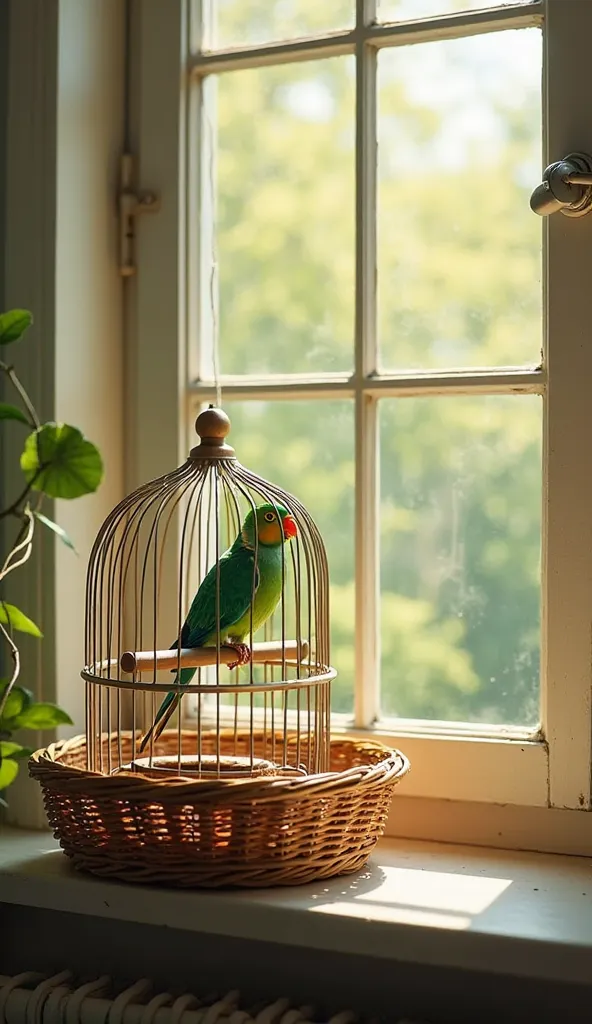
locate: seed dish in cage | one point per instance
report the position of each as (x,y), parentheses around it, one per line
(234,571)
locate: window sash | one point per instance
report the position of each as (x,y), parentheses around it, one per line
(366,384)
(552,770)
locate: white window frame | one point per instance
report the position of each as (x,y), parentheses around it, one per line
(452,767)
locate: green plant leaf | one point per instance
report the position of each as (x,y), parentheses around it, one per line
(61,533)
(13,324)
(59,461)
(8,772)
(14,750)
(12,616)
(12,412)
(41,716)
(18,700)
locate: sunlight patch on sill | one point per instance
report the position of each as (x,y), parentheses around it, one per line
(438,899)
(398,915)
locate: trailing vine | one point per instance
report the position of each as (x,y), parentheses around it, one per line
(57,461)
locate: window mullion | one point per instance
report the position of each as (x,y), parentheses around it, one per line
(366,520)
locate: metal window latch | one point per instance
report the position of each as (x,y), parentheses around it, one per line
(566,186)
(131,205)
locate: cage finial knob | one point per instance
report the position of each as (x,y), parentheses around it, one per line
(212,425)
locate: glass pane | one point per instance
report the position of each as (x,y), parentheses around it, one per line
(308,449)
(460,558)
(408,10)
(247,22)
(459,261)
(285,208)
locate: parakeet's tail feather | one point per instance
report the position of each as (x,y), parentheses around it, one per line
(165,712)
(166,709)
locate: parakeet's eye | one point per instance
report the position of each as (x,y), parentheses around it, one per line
(269,517)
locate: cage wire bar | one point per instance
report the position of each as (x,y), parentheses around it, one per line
(185,519)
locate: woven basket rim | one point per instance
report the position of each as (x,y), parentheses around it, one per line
(47,765)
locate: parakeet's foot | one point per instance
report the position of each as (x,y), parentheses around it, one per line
(244,654)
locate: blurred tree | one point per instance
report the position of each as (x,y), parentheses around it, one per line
(261,21)
(459,285)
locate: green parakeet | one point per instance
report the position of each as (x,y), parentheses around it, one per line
(237,576)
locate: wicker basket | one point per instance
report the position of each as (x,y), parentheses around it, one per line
(261,831)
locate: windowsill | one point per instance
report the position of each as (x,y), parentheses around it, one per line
(521,914)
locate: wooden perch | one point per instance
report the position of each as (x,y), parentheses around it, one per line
(272,651)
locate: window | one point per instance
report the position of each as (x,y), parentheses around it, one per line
(399,340)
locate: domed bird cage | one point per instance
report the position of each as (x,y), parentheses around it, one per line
(208,761)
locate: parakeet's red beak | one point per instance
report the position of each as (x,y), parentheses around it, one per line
(289,526)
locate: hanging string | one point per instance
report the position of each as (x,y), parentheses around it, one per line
(214,285)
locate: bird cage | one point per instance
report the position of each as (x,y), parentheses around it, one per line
(208,760)
(252,663)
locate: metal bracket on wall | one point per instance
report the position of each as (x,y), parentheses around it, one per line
(131,205)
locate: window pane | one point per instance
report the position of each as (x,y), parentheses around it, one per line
(285,234)
(245,22)
(308,449)
(406,10)
(459,248)
(460,558)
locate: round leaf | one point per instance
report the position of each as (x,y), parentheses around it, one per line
(18,699)
(7,748)
(14,750)
(12,412)
(59,461)
(41,716)
(13,324)
(14,618)
(8,772)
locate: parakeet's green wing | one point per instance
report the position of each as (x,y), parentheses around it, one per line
(236,590)
(236,578)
